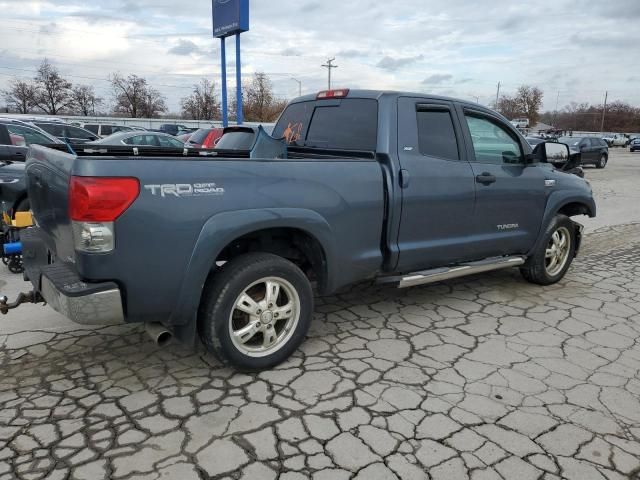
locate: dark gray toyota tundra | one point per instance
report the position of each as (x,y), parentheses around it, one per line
(402,188)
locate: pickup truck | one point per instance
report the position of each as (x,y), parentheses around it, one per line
(400,188)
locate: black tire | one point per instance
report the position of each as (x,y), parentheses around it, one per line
(218,311)
(602,162)
(536,270)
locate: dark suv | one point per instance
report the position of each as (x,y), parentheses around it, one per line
(67,132)
(593,150)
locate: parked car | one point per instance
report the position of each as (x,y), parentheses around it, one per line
(184,137)
(22,134)
(68,133)
(229,246)
(15,139)
(204,138)
(136,138)
(105,129)
(520,122)
(634,145)
(616,140)
(593,150)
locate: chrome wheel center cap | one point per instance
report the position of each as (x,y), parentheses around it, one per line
(266,316)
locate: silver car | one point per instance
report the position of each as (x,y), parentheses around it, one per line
(140,139)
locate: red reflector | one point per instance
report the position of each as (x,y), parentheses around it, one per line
(101,199)
(325,94)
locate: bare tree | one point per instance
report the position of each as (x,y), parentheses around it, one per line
(85,99)
(53,93)
(259,102)
(134,97)
(154,104)
(509,107)
(202,104)
(529,100)
(20,95)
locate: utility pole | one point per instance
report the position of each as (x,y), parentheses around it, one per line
(497,95)
(555,113)
(329,65)
(604,110)
(299,86)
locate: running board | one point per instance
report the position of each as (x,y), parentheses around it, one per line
(446,273)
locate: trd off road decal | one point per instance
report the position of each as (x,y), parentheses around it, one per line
(182,190)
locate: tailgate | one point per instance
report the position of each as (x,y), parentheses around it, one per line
(47,180)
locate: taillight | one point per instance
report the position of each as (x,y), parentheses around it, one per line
(101,199)
(327,94)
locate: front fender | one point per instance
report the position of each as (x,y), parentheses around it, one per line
(223,228)
(558,200)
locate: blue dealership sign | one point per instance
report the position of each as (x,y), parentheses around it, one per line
(230,17)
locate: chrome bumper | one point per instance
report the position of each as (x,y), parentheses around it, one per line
(98,308)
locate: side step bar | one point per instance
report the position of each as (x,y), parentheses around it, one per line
(446,273)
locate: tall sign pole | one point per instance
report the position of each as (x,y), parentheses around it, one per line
(238,81)
(230,17)
(223,70)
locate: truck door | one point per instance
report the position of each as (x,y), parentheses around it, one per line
(510,194)
(437,186)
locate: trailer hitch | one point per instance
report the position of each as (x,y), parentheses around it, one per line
(30,297)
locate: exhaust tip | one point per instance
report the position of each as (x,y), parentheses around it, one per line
(164,338)
(159,334)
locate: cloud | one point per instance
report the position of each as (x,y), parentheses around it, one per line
(291,52)
(437,78)
(390,63)
(184,47)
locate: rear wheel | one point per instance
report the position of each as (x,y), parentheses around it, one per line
(256,311)
(549,263)
(602,162)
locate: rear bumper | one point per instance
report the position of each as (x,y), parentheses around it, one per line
(64,290)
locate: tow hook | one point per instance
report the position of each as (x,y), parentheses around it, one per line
(30,297)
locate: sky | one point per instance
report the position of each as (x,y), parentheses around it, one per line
(573,50)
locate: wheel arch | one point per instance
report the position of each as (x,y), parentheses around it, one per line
(229,233)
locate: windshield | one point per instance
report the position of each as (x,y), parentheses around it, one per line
(348,124)
(571,141)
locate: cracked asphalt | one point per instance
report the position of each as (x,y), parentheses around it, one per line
(485,377)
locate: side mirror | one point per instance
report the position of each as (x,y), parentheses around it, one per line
(551,152)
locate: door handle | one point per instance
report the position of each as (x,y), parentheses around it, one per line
(404,178)
(485,178)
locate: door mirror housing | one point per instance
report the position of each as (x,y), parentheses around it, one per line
(552,152)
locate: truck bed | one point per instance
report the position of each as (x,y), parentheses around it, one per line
(189,209)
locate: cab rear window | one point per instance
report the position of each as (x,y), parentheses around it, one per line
(348,124)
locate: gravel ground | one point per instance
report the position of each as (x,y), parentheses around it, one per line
(483,377)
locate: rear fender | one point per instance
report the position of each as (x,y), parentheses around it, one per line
(223,228)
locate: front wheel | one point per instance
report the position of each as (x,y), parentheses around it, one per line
(256,311)
(602,162)
(551,260)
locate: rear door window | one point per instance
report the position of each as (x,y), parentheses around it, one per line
(106,130)
(92,128)
(436,134)
(347,124)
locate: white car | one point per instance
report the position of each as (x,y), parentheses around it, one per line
(616,140)
(520,122)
